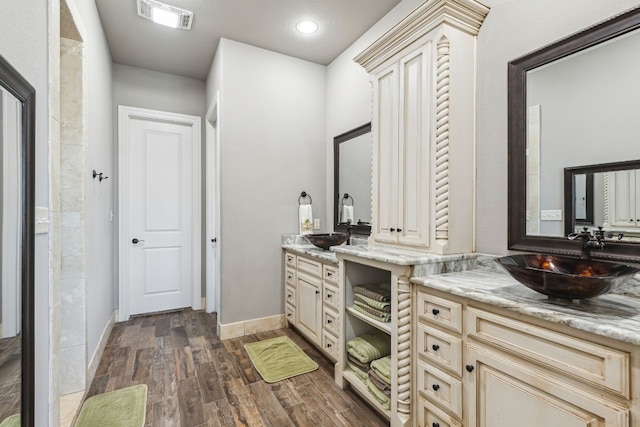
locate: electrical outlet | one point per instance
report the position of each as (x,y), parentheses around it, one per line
(551,215)
(316,224)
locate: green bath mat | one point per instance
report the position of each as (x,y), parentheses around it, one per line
(279,358)
(12,421)
(125,407)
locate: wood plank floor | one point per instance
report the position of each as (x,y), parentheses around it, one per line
(10,379)
(197,380)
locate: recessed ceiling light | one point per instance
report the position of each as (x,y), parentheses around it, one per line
(307,27)
(165,14)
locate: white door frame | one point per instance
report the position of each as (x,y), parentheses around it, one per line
(212,123)
(125,114)
(11,214)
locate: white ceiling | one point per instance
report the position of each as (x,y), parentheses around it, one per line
(269,24)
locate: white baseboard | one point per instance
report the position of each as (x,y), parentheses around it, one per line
(252,326)
(97,355)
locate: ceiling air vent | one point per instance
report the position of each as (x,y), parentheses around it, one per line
(165,14)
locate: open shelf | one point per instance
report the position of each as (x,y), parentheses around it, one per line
(384,327)
(361,389)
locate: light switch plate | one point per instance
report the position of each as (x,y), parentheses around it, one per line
(551,215)
(42,220)
(316,224)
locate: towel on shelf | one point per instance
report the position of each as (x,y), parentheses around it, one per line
(379,383)
(369,346)
(378,292)
(378,394)
(382,367)
(378,305)
(364,366)
(347,214)
(356,370)
(378,315)
(305,219)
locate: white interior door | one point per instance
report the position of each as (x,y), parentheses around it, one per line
(212,242)
(159,212)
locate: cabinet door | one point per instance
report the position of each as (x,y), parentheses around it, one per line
(504,392)
(414,148)
(385,155)
(309,307)
(622,200)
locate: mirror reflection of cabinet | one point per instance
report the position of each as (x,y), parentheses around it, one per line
(622,199)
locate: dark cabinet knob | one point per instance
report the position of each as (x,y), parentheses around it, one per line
(399,230)
(435,387)
(136,241)
(317,292)
(469,368)
(214,240)
(435,311)
(435,347)
(392,229)
(435,425)
(329,345)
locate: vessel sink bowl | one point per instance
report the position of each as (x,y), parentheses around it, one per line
(326,240)
(565,277)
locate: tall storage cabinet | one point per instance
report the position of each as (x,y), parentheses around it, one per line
(423,77)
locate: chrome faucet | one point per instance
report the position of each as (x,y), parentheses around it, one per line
(591,241)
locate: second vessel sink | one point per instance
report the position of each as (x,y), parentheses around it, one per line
(326,240)
(565,277)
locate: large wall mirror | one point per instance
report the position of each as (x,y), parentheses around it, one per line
(573,113)
(17,120)
(352,180)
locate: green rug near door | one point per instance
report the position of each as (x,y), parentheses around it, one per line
(125,407)
(12,421)
(277,359)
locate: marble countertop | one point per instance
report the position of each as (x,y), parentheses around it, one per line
(399,256)
(614,315)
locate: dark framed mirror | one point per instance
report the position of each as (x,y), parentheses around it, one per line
(572,104)
(352,180)
(610,192)
(17,134)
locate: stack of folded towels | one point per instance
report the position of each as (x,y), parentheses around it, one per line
(362,352)
(379,380)
(373,301)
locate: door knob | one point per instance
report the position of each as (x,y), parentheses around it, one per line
(136,241)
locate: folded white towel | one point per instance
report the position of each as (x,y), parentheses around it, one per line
(305,219)
(347,214)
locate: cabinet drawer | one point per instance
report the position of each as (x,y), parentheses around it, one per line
(310,266)
(574,357)
(430,416)
(290,312)
(330,320)
(330,274)
(290,259)
(442,349)
(439,311)
(290,295)
(330,296)
(440,387)
(290,276)
(330,345)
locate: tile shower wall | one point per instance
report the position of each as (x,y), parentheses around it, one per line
(73,199)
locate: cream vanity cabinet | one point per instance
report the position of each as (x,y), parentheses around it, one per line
(423,75)
(622,199)
(311,300)
(482,367)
